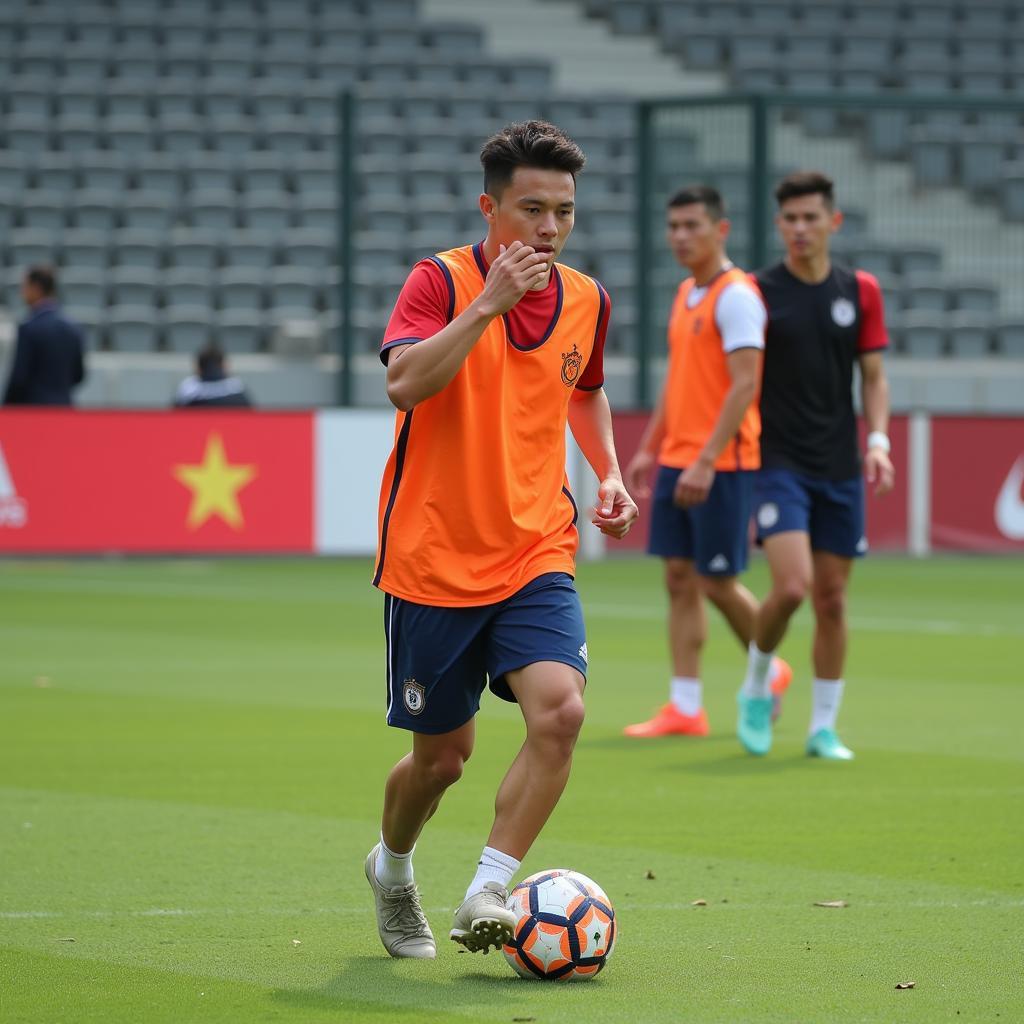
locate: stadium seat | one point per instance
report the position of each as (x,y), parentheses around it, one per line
(122,99)
(309,247)
(133,328)
(240,330)
(287,135)
(243,288)
(1010,338)
(314,172)
(25,133)
(96,208)
(157,173)
(187,328)
(14,171)
(265,210)
(83,288)
(294,288)
(55,172)
(975,298)
(134,286)
(151,211)
(103,171)
(315,209)
(32,246)
(131,135)
(213,209)
(924,333)
(970,334)
(196,247)
(250,248)
(188,287)
(203,170)
(38,208)
(138,247)
(84,248)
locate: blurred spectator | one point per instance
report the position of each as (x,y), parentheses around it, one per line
(211,385)
(49,358)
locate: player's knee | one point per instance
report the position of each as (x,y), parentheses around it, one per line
(681,582)
(717,588)
(830,605)
(792,591)
(445,767)
(561,724)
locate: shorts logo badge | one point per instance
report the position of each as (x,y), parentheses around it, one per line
(862,546)
(719,564)
(583,654)
(843,312)
(768,515)
(415,696)
(572,363)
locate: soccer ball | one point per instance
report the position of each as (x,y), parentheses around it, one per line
(565,927)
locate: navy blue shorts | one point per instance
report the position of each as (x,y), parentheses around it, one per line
(439,659)
(714,534)
(830,511)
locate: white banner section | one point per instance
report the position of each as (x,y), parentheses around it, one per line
(351,447)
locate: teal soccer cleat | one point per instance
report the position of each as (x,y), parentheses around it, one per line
(754,723)
(825,743)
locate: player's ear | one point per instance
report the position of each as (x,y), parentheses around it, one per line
(837,219)
(487,206)
(724,227)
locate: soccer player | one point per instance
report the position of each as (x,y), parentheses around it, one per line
(490,350)
(703,436)
(809,494)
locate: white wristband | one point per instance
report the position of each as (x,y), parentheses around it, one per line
(876,439)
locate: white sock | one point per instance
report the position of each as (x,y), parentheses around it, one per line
(759,663)
(393,869)
(494,866)
(687,694)
(828,695)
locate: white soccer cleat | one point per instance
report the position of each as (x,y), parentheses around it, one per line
(483,921)
(400,922)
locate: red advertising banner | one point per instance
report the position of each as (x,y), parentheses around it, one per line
(160,482)
(886,516)
(978,484)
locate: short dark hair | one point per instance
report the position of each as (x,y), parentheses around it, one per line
(43,276)
(805,183)
(528,144)
(210,357)
(706,194)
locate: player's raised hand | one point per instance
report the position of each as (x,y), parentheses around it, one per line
(879,471)
(694,485)
(615,511)
(518,268)
(638,474)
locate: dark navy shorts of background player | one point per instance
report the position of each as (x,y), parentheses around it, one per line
(831,511)
(439,659)
(714,534)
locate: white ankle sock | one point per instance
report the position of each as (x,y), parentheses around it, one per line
(494,866)
(759,663)
(393,869)
(828,695)
(687,694)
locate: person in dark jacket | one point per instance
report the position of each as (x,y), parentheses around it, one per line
(49,359)
(211,385)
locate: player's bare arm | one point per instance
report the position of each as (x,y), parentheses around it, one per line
(744,367)
(878,468)
(638,472)
(416,372)
(590,420)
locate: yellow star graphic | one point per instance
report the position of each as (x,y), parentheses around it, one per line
(215,485)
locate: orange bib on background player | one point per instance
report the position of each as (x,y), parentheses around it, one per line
(698,381)
(475,502)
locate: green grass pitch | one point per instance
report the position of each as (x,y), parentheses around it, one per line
(191,762)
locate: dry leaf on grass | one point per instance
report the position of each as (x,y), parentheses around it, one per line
(832,903)
(68,939)
(296,942)
(905,984)
(699,903)
(649,875)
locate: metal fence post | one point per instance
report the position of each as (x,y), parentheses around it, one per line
(644,160)
(346,230)
(758,182)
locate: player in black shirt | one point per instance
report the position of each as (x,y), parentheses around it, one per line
(809,494)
